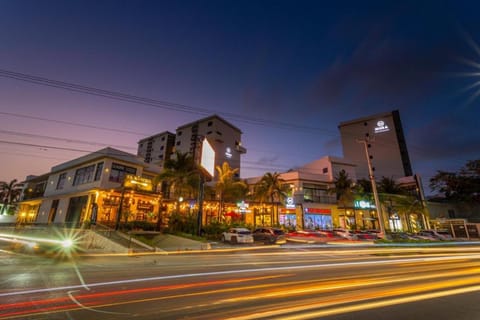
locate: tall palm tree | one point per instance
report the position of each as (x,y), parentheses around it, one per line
(343,189)
(9,193)
(388,185)
(181,175)
(271,188)
(227,187)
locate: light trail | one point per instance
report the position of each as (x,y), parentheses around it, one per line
(419,292)
(283,289)
(339,250)
(42,306)
(352,289)
(228,272)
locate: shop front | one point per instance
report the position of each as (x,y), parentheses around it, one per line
(362,216)
(136,206)
(287,218)
(317,218)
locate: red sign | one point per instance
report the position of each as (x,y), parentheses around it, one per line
(285,210)
(318,211)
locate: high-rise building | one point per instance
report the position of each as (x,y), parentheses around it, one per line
(157,148)
(383,135)
(223,136)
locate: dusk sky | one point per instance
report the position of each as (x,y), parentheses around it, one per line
(299,67)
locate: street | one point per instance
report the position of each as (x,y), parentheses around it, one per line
(290,282)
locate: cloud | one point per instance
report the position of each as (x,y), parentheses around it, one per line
(446,137)
(386,70)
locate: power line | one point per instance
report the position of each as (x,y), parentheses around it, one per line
(73,123)
(151,102)
(154,103)
(148,102)
(29,135)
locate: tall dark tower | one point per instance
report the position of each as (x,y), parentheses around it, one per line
(387,146)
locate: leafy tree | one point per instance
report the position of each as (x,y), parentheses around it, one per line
(363,186)
(227,187)
(271,188)
(461,186)
(9,193)
(181,175)
(388,185)
(343,188)
(405,205)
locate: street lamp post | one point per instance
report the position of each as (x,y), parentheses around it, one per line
(374,186)
(200,204)
(119,215)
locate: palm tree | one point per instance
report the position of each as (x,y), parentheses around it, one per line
(271,188)
(228,187)
(9,193)
(405,205)
(389,186)
(363,187)
(181,175)
(343,189)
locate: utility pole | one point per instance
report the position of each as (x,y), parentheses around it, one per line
(366,144)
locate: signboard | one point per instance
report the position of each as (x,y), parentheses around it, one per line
(362,204)
(381,127)
(207,161)
(138,183)
(318,211)
(228,153)
(290,204)
(242,207)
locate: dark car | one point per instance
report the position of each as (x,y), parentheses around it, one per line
(269,235)
(364,235)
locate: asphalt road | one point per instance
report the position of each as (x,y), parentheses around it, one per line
(297,282)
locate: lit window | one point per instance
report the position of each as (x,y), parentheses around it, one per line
(61,180)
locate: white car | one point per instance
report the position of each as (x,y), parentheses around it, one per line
(237,235)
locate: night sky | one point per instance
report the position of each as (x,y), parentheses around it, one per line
(299,67)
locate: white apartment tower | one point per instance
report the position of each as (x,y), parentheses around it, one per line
(157,148)
(224,137)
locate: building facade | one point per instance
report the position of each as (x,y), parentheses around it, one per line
(224,138)
(92,188)
(383,135)
(310,203)
(156,149)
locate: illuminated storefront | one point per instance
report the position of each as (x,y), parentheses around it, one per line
(288,218)
(317,218)
(362,215)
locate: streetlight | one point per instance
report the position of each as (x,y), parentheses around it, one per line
(374,185)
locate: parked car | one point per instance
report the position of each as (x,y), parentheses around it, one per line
(237,235)
(307,235)
(269,235)
(436,234)
(345,234)
(402,236)
(364,235)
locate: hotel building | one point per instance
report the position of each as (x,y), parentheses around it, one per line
(383,134)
